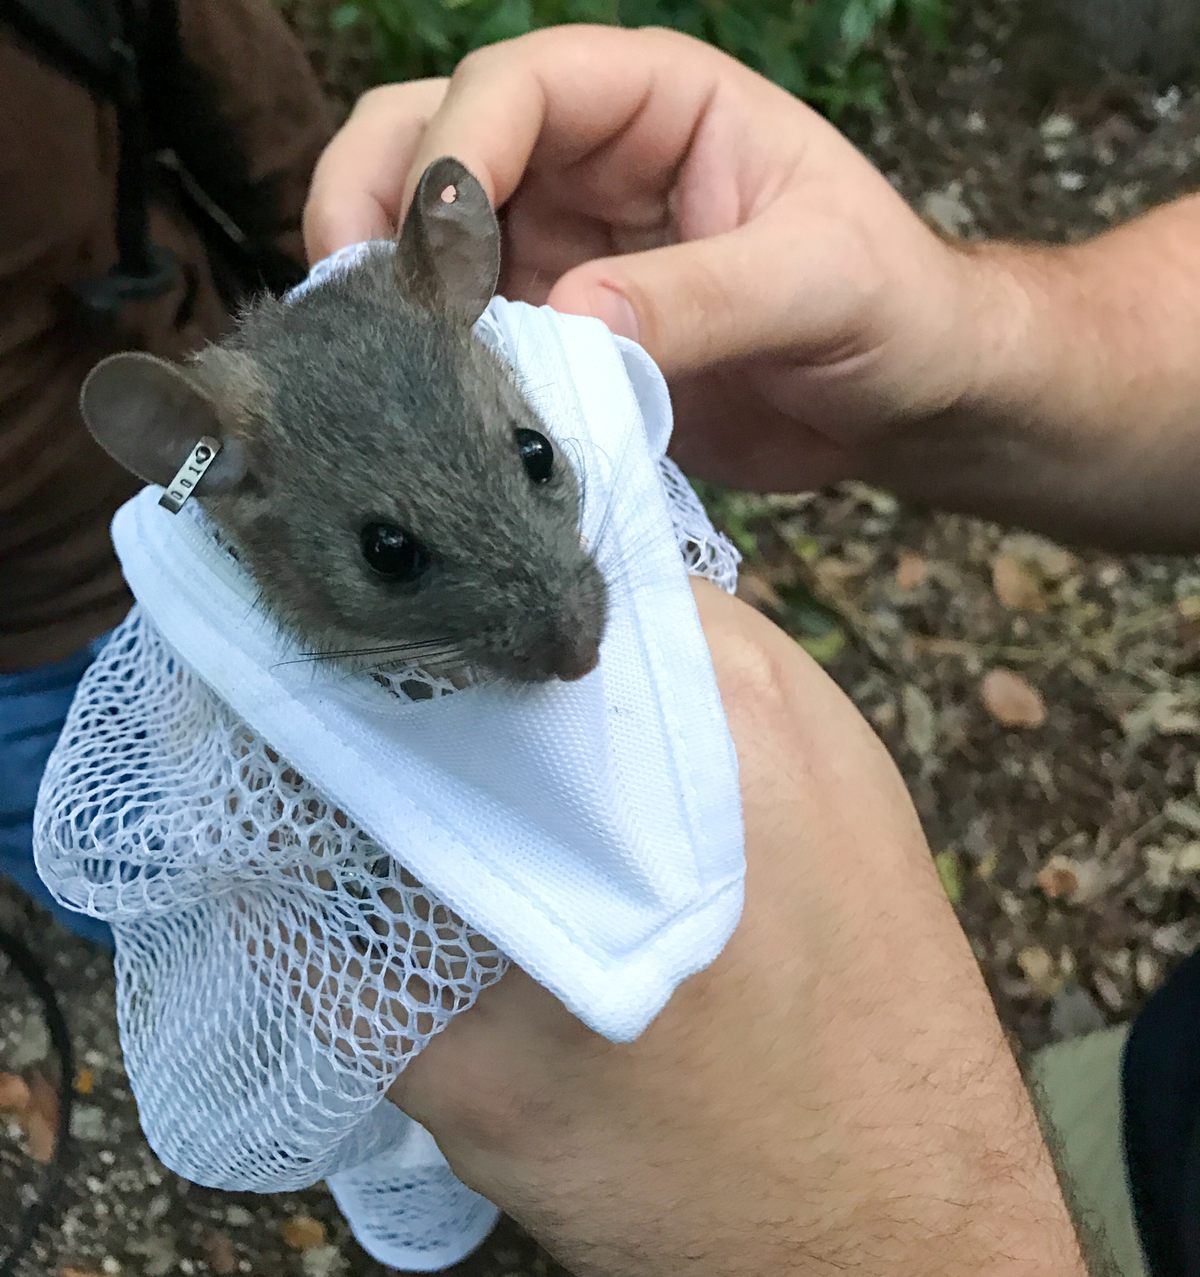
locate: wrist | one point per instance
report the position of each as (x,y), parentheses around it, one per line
(1033,431)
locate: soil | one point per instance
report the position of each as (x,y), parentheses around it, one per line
(1069,838)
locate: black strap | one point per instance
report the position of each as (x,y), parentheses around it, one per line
(78,35)
(96,44)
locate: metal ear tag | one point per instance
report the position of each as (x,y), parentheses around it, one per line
(189,474)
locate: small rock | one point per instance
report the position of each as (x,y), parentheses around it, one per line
(946,209)
(87,1123)
(159,1257)
(1011,700)
(32,1044)
(1071,181)
(302,1232)
(157,1207)
(976,122)
(111,1266)
(1016,586)
(1074,1013)
(238,1217)
(1035,963)
(1168,103)
(322,1261)
(1056,127)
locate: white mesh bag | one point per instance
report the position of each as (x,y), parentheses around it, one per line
(308,874)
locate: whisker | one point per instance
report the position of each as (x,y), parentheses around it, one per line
(420,648)
(575,447)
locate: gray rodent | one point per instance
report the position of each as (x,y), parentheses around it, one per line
(381,475)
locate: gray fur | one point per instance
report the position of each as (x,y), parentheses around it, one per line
(356,403)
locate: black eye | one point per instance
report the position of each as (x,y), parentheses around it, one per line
(392,553)
(536,454)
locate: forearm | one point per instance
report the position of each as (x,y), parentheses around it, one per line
(1084,417)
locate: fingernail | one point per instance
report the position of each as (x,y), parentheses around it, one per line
(614,309)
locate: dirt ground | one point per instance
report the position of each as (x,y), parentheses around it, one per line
(1068,838)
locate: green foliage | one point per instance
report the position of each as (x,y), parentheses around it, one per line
(819,49)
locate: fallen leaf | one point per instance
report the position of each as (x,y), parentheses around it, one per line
(1016,586)
(1051,561)
(1148,972)
(302,1232)
(85,1082)
(1058,879)
(950,873)
(1160,867)
(1183,813)
(14,1093)
(1188,859)
(39,1121)
(221,1256)
(1162,713)
(1011,700)
(807,549)
(826,648)
(1110,994)
(912,570)
(79,1272)
(920,720)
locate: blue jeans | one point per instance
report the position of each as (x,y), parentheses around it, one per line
(33,709)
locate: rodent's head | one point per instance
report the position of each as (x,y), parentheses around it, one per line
(380,474)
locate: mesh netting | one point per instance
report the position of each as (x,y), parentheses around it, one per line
(276,969)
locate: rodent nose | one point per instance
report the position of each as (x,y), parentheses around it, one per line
(576,663)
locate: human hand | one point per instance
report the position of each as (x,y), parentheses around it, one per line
(801,311)
(833,1093)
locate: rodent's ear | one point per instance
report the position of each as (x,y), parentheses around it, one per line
(448,251)
(147,414)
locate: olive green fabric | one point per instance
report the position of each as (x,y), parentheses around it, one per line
(1080,1085)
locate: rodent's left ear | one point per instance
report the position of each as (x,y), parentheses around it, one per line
(148,414)
(448,252)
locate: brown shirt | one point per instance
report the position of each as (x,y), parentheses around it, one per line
(60,584)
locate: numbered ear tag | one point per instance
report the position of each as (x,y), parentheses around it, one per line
(189,474)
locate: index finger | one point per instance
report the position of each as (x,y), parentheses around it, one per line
(358,184)
(556,98)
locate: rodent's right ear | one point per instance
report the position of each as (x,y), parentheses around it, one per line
(448,250)
(147,414)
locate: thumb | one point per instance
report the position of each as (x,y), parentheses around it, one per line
(696,304)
